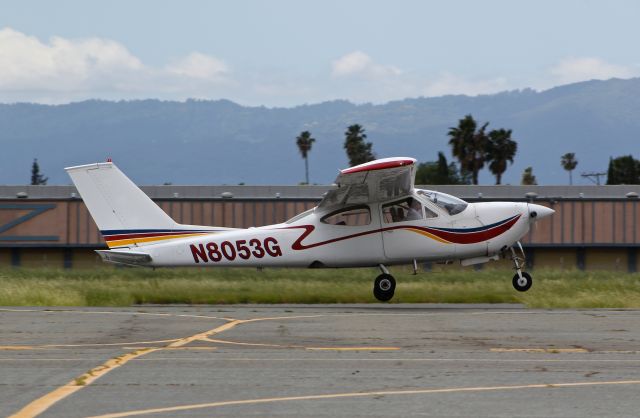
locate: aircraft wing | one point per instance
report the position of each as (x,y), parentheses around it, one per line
(371,182)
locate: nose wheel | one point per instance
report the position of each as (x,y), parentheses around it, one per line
(384,287)
(522,280)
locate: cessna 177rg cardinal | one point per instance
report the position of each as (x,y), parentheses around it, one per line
(374,217)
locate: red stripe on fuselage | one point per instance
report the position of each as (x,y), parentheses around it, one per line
(452,237)
(474,237)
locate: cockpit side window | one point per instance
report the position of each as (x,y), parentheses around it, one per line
(408,209)
(352,216)
(429,213)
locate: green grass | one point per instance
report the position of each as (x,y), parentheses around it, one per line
(123,287)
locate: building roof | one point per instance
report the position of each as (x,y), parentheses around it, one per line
(315,192)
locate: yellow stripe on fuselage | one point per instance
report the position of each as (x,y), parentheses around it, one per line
(430,235)
(132,241)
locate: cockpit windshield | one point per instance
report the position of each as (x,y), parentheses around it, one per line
(451,204)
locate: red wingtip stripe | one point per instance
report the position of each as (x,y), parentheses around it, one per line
(373,166)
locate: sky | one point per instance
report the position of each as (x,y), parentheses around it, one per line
(292,52)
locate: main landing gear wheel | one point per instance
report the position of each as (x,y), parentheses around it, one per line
(522,284)
(384,287)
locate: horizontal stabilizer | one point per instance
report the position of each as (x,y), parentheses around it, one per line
(129,258)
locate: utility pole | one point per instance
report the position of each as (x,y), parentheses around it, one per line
(593,175)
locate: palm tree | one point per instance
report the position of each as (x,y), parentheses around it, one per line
(569,163)
(469,145)
(358,151)
(500,151)
(304,142)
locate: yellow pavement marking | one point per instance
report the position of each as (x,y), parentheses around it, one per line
(361,395)
(352,348)
(211,340)
(164,314)
(174,348)
(43,403)
(40,405)
(55,346)
(19,347)
(107,344)
(539,350)
(373,348)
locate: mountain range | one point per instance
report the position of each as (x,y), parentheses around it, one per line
(221,142)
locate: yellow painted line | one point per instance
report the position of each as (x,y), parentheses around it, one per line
(107,344)
(301,346)
(18,347)
(56,346)
(539,350)
(174,348)
(43,403)
(274,318)
(163,314)
(352,348)
(361,395)
(40,405)
(250,344)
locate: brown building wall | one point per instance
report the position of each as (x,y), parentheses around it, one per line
(606,230)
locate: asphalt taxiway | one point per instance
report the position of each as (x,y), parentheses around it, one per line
(319,361)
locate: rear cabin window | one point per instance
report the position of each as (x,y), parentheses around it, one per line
(404,210)
(353,216)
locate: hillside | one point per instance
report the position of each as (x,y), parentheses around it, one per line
(216,142)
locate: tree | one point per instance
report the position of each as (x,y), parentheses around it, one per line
(469,145)
(440,172)
(500,151)
(623,170)
(37,179)
(528,179)
(358,151)
(304,142)
(569,163)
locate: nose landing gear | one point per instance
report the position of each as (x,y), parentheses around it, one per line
(384,286)
(522,281)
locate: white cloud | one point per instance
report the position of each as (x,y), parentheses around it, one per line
(358,63)
(574,69)
(63,70)
(28,64)
(60,70)
(199,66)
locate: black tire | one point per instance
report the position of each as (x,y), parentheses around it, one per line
(384,287)
(525,284)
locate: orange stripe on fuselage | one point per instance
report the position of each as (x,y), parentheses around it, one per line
(430,235)
(132,241)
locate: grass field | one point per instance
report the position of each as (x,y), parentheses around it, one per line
(123,287)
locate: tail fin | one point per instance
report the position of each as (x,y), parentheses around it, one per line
(114,201)
(125,215)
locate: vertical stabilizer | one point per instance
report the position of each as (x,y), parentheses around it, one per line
(114,201)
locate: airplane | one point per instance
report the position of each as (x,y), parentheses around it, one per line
(373,217)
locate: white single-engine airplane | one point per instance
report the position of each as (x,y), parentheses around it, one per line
(374,217)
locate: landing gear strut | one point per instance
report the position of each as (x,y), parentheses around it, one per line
(384,285)
(522,281)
